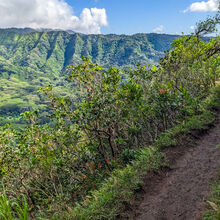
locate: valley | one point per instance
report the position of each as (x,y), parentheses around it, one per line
(30,59)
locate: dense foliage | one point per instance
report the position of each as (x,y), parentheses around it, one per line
(30,59)
(118,193)
(117,113)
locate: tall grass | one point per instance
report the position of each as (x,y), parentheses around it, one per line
(11,209)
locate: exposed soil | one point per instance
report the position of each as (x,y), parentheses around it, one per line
(180,192)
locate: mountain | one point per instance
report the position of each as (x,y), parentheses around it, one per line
(32,58)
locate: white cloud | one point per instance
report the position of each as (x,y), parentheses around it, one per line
(192,28)
(158,29)
(203,6)
(55,14)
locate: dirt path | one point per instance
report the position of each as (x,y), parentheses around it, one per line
(180,194)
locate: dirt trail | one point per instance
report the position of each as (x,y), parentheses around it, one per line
(181,193)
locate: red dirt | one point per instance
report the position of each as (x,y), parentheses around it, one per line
(180,193)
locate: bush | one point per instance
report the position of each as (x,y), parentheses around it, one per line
(56,164)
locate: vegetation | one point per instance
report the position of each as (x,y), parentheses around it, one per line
(214,203)
(110,199)
(105,132)
(30,59)
(10,208)
(87,154)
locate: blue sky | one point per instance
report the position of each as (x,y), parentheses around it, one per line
(107,16)
(144,16)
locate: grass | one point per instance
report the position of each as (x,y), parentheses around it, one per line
(5,207)
(11,209)
(109,201)
(199,122)
(214,202)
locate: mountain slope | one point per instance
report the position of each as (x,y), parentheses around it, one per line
(30,59)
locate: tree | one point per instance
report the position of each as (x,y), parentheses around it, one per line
(209,25)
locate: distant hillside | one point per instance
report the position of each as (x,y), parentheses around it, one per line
(30,59)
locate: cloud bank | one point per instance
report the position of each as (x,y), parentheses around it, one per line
(54,14)
(158,29)
(203,6)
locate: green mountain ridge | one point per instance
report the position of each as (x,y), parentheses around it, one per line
(30,59)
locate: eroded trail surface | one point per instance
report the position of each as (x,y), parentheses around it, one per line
(181,193)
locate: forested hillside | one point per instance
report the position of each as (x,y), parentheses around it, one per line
(30,59)
(91,156)
(105,127)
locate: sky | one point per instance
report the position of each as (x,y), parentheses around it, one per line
(107,16)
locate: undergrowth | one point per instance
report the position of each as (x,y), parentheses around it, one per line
(214,202)
(11,209)
(108,201)
(90,157)
(202,121)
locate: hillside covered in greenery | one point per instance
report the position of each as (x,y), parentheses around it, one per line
(87,161)
(30,59)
